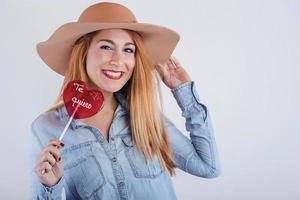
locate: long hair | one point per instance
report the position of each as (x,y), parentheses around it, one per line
(142,91)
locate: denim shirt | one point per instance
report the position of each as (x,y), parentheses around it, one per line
(95,168)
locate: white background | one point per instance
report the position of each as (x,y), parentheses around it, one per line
(243,55)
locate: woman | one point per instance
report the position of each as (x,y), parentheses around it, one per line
(129,149)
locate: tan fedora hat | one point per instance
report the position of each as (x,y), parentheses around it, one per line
(55,52)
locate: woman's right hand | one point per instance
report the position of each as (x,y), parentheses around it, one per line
(49,165)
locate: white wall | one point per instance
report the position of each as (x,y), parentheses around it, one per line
(242,56)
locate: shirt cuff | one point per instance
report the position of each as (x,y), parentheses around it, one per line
(55,192)
(186,94)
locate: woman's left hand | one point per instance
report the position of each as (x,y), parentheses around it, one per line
(172,73)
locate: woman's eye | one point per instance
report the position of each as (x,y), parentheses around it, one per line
(105,47)
(129,50)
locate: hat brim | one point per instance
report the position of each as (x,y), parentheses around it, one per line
(159,41)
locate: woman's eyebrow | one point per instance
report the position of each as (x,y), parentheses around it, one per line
(112,42)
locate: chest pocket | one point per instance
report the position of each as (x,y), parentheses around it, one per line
(137,161)
(82,170)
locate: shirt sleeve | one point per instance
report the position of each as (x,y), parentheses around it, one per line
(38,190)
(198,154)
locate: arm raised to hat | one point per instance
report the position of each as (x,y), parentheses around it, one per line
(172,73)
(197,154)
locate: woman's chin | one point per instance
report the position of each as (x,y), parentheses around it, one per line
(111,90)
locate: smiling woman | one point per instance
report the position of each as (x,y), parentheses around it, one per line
(129,149)
(111,59)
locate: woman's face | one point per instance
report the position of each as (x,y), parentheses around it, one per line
(110,59)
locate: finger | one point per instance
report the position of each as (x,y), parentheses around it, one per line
(56,143)
(49,158)
(176,62)
(46,167)
(42,168)
(60,163)
(158,68)
(170,65)
(52,150)
(162,69)
(55,152)
(173,64)
(39,168)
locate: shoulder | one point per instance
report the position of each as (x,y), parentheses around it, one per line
(45,118)
(47,126)
(167,121)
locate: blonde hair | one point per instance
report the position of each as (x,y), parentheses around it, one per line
(146,117)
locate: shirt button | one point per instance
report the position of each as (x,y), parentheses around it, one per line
(121,184)
(114,159)
(101,140)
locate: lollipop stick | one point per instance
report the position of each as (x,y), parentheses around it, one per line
(68,124)
(65,129)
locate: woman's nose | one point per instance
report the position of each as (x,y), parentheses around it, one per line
(116,59)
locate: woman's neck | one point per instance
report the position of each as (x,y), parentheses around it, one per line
(110,102)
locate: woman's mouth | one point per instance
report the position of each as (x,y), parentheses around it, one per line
(115,75)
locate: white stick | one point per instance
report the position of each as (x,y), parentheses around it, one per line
(69,122)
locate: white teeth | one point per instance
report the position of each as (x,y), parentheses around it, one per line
(113,74)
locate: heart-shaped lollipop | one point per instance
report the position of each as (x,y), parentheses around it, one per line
(81,102)
(77,93)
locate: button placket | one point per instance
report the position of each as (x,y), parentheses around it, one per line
(118,173)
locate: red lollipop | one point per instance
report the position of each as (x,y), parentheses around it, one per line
(78,93)
(81,102)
